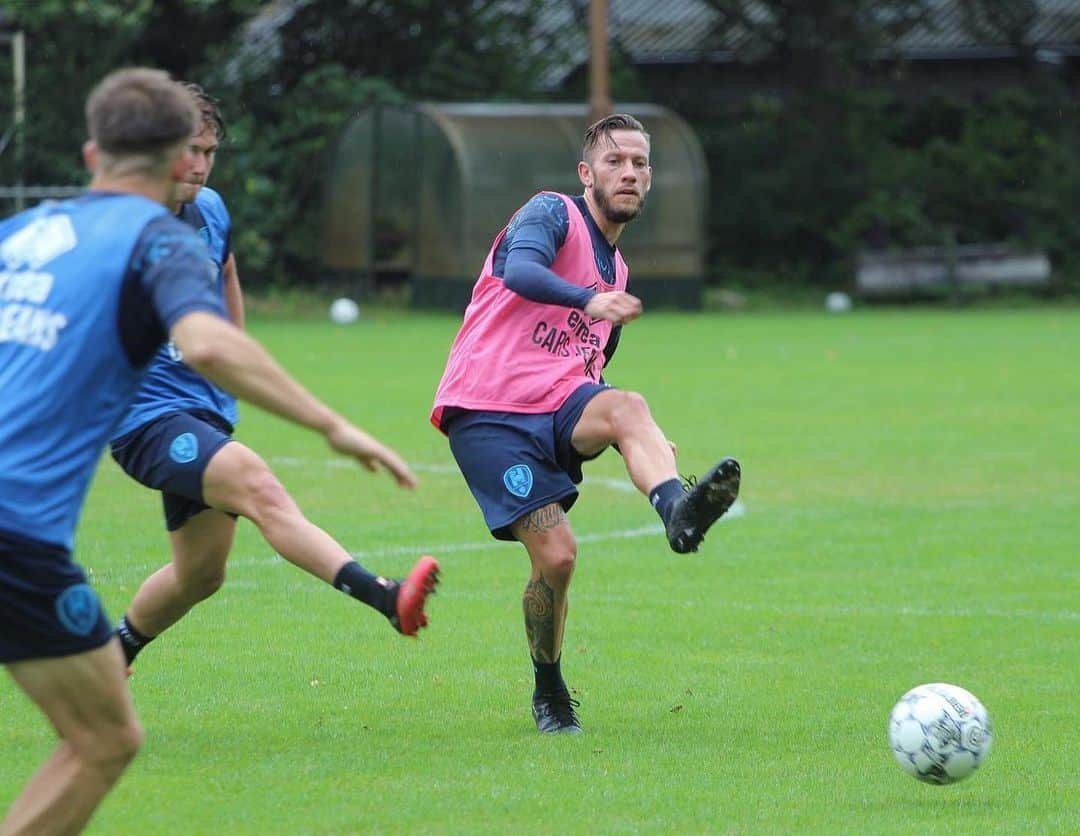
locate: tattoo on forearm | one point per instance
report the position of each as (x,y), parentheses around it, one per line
(539,604)
(543,519)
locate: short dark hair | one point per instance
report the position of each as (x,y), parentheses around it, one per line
(208,106)
(137,111)
(602,128)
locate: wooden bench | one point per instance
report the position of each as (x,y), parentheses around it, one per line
(942,271)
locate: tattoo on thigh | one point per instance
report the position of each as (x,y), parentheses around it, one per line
(539,602)
(543,519)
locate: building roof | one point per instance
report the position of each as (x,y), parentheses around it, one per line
(1055,26)
(689,31)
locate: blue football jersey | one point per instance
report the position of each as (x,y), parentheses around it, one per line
(171,385)
(88,290)
(541,225)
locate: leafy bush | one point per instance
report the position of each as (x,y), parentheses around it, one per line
(799,187)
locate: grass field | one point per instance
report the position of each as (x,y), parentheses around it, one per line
(911,513)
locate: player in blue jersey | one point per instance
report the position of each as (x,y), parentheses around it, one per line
(177,438)
(89,289)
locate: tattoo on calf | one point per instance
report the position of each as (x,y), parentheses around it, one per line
(539,602)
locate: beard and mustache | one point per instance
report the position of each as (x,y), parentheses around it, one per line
(616,216)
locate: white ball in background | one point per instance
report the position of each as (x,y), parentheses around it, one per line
(838,302)
(344,311)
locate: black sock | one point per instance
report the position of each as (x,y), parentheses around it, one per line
(131,640)
(549,677)
(664,496)
(378,592)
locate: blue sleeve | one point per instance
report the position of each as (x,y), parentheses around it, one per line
(216,214)
(527,274)
(226,232)
(176,272)
(540,225)
(533,238)
(228,236)
(169,275)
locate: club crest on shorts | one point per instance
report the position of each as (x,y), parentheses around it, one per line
(518,480)
(184,448)
(77,608)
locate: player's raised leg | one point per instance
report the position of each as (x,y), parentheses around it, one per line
(237,480)
(624,419)
(201,498)
(547,537)
(86,699)
(615,416)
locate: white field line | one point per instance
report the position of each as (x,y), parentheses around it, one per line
(306,584)
(622,485)
(247,561)
(652,530)
(492,543)
(455,548)
(833,611)
(254,561)
(842,610)
(824,611)
(737,510)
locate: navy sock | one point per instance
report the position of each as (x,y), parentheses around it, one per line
(378,592)
(131,640)
(664,496)
(549,677)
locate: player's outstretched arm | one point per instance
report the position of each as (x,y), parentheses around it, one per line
(229,357)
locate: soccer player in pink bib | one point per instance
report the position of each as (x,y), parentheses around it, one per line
(523,402)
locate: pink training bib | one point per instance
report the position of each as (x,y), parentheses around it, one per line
(515,355)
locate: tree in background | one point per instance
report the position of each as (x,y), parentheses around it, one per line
(289,74)
(787,166)
(838,159)
(70,46)
(802,177)
(820,42)
(296,75)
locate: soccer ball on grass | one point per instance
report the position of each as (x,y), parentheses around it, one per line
(940,733)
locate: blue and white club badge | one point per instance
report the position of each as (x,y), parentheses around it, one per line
(518,480)
(184,448)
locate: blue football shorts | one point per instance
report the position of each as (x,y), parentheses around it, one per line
(515,463)
(46,606)
(170,454)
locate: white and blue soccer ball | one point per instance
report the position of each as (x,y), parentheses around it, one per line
(940,733)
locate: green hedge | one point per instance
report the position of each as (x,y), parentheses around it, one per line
(798,188)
